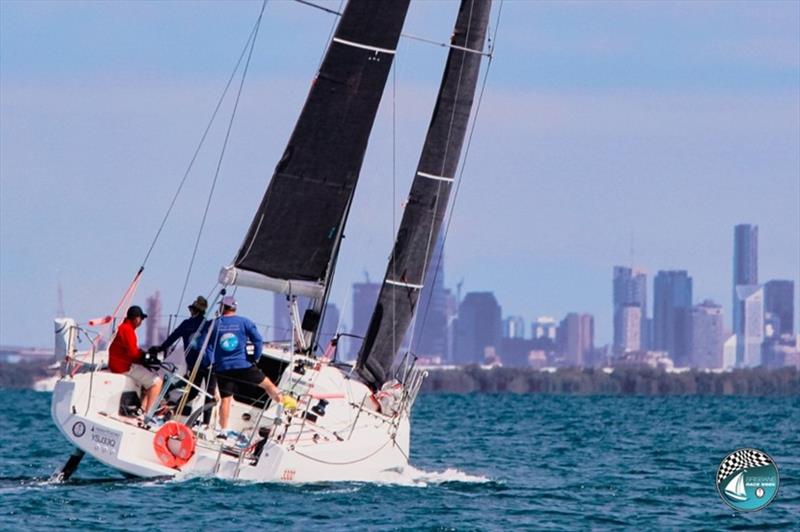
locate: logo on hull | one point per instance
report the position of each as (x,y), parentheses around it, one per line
(78,429)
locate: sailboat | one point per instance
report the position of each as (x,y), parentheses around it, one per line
(735,488)
(344,422)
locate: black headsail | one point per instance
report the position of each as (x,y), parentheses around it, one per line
(294,236)
(427,201)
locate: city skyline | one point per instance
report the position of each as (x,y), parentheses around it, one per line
(681,333)
(610,134)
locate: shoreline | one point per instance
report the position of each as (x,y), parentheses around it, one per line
(755,382)
(637,381)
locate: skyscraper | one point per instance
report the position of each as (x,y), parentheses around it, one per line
(450,312)
(749,324)
(478,327)
(281,324)
(707,336)
(745,254)
(576,338)
(672,303)
(365,295)
(544,327)
(153,323)
(745,261)
(779,300)
(330,324)
(629,288)
(430,325)
(630,327)
(514,327)
(281,321)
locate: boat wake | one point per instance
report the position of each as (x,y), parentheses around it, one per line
(409,476)
(414,477)
(9,485)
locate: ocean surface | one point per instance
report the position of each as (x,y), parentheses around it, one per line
(488,462)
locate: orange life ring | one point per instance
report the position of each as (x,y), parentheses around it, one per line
(174,444)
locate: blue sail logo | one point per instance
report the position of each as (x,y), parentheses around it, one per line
(228,342)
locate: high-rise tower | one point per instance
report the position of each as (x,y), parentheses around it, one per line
(479,327)
(152,325)
(749,324)
(364,297)
(779,301)
(745,262)
(629,288)
(576,338)
(430,326)
(707,336)
(672,303)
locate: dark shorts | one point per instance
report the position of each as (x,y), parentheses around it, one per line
(231,381)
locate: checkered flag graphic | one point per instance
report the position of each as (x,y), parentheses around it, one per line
(741,459)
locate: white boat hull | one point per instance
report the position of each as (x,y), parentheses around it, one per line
(351,441)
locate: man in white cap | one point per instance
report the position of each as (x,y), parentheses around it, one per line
(228,353)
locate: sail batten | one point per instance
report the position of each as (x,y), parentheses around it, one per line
(296,229)
(428,198)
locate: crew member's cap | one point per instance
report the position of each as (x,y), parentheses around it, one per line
(200,304)
(229,301)
(135,312)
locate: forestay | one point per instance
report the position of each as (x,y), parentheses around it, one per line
(427,201)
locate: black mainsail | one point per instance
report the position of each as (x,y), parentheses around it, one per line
(294,237)
(427,201)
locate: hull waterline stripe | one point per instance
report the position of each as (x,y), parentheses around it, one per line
(437,177)
(405,285)
(364,46)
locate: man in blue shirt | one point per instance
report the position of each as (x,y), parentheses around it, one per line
(187,328)
(187,331)
(233,366)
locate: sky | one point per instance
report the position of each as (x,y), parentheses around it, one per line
(631,133)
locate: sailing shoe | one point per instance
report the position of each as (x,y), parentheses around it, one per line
(233,438)
(227,434)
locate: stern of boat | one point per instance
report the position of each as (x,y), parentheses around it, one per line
(85,408)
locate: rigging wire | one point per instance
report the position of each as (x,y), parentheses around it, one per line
(252,42)
(492,45)
(324,309)
(394,202)
(330,34)
(322,8)
(199,145)
(406,35)
(441,171)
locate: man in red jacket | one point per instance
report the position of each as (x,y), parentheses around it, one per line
(124,356)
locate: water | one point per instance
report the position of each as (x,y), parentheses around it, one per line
(480,462)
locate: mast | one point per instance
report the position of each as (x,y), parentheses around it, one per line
(428,198)
(290,246)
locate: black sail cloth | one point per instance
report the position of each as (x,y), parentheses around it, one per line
(296,230)
(427,201)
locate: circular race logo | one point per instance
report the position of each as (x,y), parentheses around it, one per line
(78,429)
(747,480)
(228,342)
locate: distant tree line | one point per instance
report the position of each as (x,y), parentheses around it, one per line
(622,381)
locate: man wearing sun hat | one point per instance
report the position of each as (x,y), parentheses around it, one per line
(187,331)
(187,328)
(124,356)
